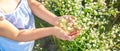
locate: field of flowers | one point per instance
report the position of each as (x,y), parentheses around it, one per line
(99,19)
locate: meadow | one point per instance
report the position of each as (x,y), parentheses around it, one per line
(99,20)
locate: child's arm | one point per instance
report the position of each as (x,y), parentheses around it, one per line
(40,11)
(9,31)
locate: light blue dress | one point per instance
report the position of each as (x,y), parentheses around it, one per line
(21,18)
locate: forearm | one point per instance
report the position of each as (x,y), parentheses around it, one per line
(33,34)
(13,33)
(27,35)
(39,10)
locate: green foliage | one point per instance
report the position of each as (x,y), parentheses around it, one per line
(99,21)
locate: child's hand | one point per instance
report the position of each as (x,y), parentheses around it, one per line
(61,34)
(69,24)
(74,34)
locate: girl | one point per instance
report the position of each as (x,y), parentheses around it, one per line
(17,29)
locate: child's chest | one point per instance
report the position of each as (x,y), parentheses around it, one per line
(8,6)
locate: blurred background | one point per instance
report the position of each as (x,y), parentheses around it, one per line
(100,20)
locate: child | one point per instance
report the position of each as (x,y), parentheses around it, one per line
(17,29)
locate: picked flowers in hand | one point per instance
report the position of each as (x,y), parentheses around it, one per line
(69,23)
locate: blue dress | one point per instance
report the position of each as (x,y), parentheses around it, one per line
(21,18)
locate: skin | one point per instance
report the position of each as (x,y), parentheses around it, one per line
(8,30)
